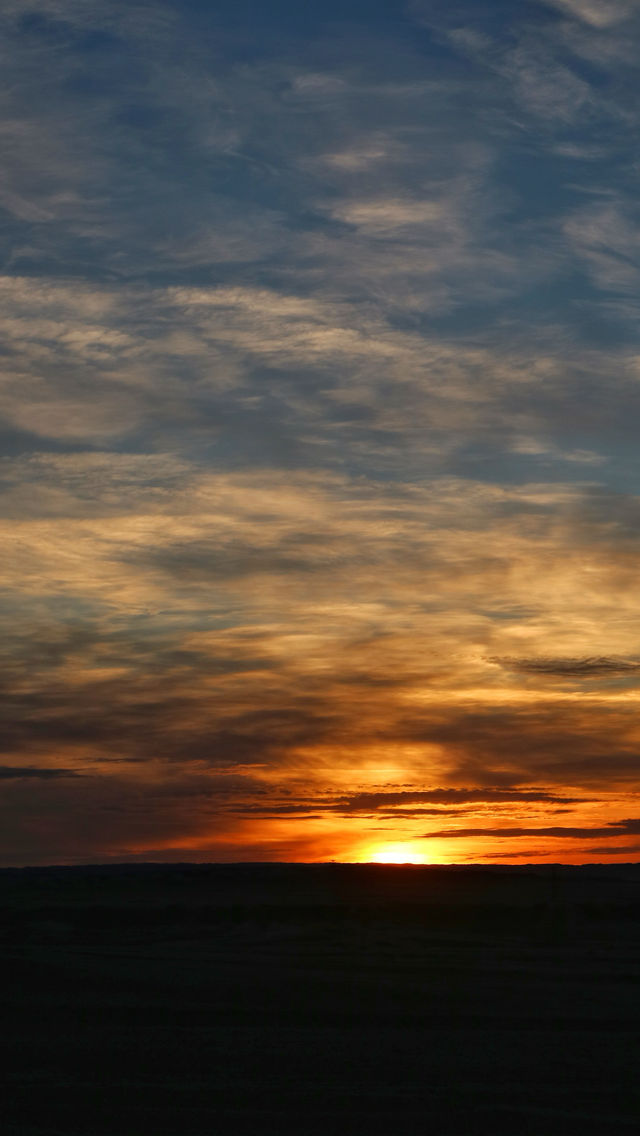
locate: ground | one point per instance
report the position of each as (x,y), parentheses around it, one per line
(330,999)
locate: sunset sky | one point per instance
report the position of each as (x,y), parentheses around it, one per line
(321,394)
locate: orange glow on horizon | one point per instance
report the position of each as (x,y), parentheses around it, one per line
(397,853)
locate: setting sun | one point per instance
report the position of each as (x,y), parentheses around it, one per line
(397,854)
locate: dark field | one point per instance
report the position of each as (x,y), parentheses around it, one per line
(332,999)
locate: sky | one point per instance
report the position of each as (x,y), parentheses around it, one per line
(320,499)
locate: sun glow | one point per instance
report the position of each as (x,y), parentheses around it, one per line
(396,854)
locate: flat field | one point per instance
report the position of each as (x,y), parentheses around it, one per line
(343,1000)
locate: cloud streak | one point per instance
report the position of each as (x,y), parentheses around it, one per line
(20,772)
(613,829)
(574,668)
(454,797)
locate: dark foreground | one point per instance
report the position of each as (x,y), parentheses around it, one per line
(331,999)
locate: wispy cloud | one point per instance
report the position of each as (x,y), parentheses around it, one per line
(596,13)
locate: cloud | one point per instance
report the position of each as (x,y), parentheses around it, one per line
(573,668)
(596,13)
(619,850)
(178,614)
(385,217)
(320,382)
(605,237)
(612,829)
(368,801)
(397,805)
(545,87)
(14,772)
